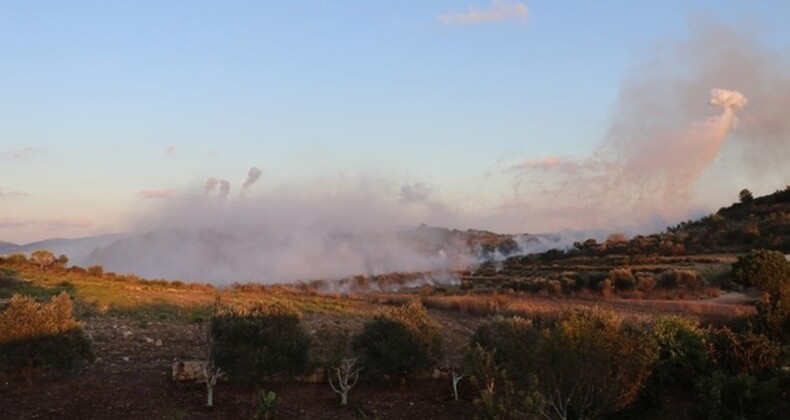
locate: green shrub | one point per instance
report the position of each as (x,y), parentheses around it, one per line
(508,339)
(499,397)
(770,272)
(748,380)
(399,342)
(267,405)
(761,268)
(37,335)
(589,363)
(682,351)
(256,341)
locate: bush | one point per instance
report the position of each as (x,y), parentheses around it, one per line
(682,359)
(399,342)
(767,270)
(747,381)
(96,271)
(509,340)
(37,335)
(726,396)
(689,279)
(590,363)
(682,351)
(622,278)
(257,341)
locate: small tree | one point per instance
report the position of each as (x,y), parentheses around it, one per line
(347,375)
(62,260)
(43,258)
(745,196)
(398,342)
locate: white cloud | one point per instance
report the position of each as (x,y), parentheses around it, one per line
(499,10)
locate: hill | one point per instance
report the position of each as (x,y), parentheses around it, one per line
(762,222)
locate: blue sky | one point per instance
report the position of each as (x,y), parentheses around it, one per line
(93,94)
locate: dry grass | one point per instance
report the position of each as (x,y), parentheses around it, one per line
(537,307)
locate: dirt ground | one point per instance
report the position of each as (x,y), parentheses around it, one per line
(131,379)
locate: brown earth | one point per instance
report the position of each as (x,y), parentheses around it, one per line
(131,379)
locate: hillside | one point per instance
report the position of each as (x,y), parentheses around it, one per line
(762,222)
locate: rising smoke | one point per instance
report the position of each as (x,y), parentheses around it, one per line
(675,119)
(326,231)
(667,156)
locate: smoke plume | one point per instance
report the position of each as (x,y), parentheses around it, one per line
(328,230)
(667,156)
(252,176)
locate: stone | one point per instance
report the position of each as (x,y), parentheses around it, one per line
(189,370)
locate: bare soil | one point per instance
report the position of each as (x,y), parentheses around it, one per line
(131,379)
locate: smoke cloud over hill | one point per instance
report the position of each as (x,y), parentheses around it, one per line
(675,118)
(664,137)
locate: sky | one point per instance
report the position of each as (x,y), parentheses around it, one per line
(110,110)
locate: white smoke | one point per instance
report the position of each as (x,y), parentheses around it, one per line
(326,231)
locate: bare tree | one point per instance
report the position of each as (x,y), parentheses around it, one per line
(347,375)
(457,376)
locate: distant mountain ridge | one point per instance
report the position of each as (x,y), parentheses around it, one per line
(77,249)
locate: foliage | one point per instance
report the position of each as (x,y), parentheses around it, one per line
(745,196)
(43,258)
(743,396)
(589,363)
(41,335)
(682,350)
(499,397)
(622,279)
(254,341)
(769,271)
(747,380)
(509,340)
(398,342)
(267,405)
(675,278)
(761,268)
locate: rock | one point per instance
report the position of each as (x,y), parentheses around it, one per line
(125,358)
(149,340)
(158,343)
(127,333)
(189,370)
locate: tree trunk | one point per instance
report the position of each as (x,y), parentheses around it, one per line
(210,396)
(344,398)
